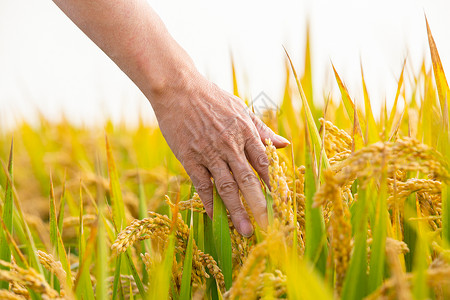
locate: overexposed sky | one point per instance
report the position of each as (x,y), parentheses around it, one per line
(48,64)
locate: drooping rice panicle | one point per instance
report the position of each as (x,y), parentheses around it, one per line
(339,228)
(393,249)
(28,278)
(75,221)
(336,140)
(195,204)
(281,194)
(408,154)
(55,267)
(404,189)
(8,295)
(157,227)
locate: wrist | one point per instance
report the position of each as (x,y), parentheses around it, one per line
(174,75)
(172,85)
(172,72)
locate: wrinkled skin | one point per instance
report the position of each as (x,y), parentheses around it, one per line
(213,134)
(210,131)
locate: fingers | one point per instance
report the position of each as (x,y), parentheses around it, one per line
(202,181)
(267,133)
(229,192)
(257,157)
(251,189)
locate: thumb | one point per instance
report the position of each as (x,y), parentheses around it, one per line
(266,133)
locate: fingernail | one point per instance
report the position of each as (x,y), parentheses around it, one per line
(246,228)
(282,140)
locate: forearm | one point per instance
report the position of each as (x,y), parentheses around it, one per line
(135,38)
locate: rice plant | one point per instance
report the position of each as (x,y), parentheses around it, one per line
(359,206)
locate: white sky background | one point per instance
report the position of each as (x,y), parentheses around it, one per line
(48,64)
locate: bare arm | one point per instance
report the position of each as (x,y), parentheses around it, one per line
(210,131)
(135,38)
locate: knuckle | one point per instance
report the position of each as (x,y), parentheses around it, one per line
(203,187)
(226,187)
(262,161)
(209,152)
(248,178)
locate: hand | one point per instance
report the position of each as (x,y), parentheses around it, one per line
(213,134)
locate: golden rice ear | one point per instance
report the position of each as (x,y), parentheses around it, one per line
(55,267)
(28,278)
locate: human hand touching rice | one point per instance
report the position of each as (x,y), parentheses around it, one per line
(211,132)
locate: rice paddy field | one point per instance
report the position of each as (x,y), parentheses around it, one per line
(359,206)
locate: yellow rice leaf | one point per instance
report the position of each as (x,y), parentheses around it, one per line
(306,79)
(315,137)
(235,84)
(439,76)
(356,118)
(371,134)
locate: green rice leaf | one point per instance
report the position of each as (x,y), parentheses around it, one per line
(53,224)
(7,216)
(101,262)
(29,241)
(446,213)
(135,274)
(315,239)
(62,256)
(116,283)
(269,201)
(211,286)
(410,231)
(355,283)
(53,221)
(419,283)
(83,284)
(145,245)
(162,275)
(185,290)
(379,217)
(62,204)
(222,239)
